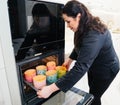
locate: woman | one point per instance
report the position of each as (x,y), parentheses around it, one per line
(93,51)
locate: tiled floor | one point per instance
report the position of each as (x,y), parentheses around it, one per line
(112,95)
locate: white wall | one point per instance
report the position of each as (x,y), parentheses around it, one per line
(9,90)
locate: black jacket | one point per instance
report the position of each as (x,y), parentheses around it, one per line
(95,54)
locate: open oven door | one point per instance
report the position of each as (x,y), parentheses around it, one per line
(76,96)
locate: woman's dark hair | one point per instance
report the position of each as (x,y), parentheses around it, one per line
(87,21)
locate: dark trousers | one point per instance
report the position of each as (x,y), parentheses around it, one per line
(98,87)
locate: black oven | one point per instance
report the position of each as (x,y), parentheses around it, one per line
(37,32)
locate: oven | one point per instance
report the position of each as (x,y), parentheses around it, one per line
(38,37)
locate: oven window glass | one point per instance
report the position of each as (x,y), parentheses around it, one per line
(37,28)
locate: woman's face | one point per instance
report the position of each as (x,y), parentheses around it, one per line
(72,23)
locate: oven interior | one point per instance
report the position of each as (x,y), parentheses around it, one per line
(28,93)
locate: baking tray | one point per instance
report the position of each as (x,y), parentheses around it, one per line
(31,85)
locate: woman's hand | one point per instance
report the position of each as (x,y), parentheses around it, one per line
(46,91)
(67,63)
